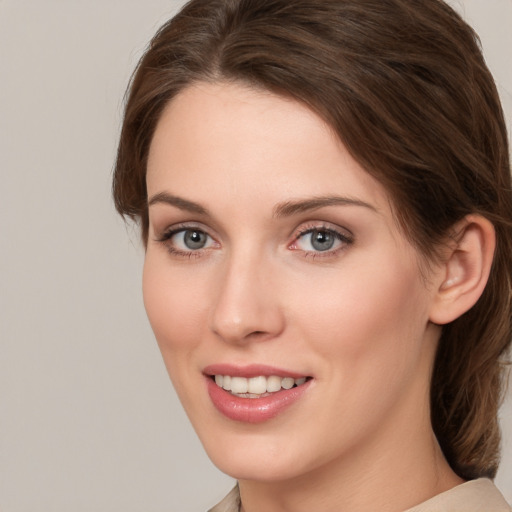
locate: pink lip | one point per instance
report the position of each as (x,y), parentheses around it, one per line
(253,410)
(252,370)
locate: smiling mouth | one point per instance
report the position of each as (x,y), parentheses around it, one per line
(256,387)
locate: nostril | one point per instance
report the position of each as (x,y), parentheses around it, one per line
(257,336)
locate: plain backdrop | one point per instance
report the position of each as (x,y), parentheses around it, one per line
(88,418)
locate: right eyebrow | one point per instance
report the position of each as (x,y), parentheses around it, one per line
(289,208)
(178,202)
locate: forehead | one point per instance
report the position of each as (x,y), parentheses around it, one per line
(230,134)
(207,118)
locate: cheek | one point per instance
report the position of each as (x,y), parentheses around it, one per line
(173,306)
(367,337)
(367,315)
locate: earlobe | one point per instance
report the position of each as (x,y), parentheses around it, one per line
(465,270)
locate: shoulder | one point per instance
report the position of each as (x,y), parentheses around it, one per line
(474,496)
(231,503)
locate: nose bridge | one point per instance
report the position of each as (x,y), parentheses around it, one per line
(247,304)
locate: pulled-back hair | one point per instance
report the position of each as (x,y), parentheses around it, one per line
(405,87)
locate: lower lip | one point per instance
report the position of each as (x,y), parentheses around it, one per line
(253,410)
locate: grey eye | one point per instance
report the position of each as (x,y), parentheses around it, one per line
(322,240)
(194,239)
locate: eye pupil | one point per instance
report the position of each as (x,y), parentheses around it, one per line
(322,240)
(194,239)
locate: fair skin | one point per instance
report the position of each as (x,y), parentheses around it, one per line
(269,245)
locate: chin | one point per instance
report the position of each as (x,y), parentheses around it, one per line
(258,456)
(257,470)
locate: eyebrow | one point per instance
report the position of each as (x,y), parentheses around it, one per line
(285,209)
(290,208)
(178,202)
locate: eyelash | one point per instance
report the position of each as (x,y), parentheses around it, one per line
(167,235)
(344,238)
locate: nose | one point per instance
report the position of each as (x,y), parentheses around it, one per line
(247,306)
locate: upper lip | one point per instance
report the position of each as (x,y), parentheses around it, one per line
(251,370)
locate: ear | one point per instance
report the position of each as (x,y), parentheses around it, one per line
(465,269)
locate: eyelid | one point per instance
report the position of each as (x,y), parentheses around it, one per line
(168,231)
(342,234)
(167,234)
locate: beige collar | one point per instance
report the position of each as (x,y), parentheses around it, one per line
(474,496)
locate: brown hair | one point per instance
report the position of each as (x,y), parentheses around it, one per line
(405,87)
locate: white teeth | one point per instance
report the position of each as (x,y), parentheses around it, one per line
(287,383)
(226,382)
(273,384)
(256,386)
(239,385)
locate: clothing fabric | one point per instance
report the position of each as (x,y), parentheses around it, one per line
(479,495)
(474,496)
(231,503)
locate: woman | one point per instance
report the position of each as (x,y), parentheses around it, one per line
(324,195)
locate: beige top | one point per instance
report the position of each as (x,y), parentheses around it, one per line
(474,496)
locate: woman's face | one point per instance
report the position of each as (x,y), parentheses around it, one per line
(274,260)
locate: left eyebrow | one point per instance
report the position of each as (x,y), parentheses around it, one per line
(290,208)
(178,202)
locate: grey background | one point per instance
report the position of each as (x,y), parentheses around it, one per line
(88,418)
